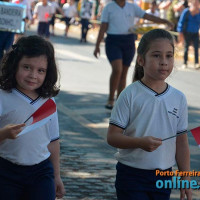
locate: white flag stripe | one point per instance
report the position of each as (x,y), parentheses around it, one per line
(34,126)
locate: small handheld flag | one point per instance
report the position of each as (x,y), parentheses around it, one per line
(196,134)
(48,108)
(46,15)
(40,117)
(175,135)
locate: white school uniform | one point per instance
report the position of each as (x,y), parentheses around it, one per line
(69,10)
(42,10)
(119,19)
(30,148)
(54,6)
(141,112)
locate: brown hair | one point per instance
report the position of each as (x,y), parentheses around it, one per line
(144,46)
(31,46)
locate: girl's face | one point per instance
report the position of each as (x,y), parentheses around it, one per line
(159,60)
(31,73)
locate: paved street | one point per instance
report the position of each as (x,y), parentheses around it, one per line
(87,162)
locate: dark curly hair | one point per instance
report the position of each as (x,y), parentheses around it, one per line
(30,46)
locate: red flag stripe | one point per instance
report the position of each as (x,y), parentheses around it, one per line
(196,134)
(48,108)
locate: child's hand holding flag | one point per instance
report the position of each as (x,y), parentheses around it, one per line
(40,117)
(195,132)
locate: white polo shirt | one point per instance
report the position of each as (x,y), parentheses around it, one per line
(43,11)
(69,10)
(54,6)
(30,148)
(120,19)
(141,112)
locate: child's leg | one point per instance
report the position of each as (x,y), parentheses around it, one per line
(134,183)
(137,195)
(47,32)
(40,28)
(187,41)
(11,181)
(159,195)
(195,41)
(42,186)
(130,195)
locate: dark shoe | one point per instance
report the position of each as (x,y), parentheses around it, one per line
(109,106)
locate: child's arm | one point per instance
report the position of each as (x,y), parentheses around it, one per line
(35,16)
(183,162)
(10,131)
(116,138)
(54,148)
(102,30)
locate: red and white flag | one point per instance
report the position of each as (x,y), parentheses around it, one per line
(196,134)
(40,117)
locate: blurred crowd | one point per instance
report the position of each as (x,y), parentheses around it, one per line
(92,9)
(88,13)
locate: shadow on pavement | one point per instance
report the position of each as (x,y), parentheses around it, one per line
(87,161)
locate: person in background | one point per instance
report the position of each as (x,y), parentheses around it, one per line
(6,40)
(26,3)
(188,28)
(55,7)
(163,7)
(179,7)
(117,19)
(96,13)
(70,12)
(43,12)
(146,112)
(28,18)
(153,10)
(85,15)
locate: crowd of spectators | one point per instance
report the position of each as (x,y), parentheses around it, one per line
(71,9)
(88,13)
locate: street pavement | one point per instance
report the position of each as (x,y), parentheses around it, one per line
(87,161)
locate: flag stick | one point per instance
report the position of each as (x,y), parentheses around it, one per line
(27,119)
(175,135)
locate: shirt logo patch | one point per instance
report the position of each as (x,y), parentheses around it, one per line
(174,112)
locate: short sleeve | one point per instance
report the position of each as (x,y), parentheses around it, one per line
(104,15)
(183,120)
(51,8)
(36,9)
(138,11)
(121,112)
(54,127)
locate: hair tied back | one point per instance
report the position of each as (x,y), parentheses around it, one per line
(14,47)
